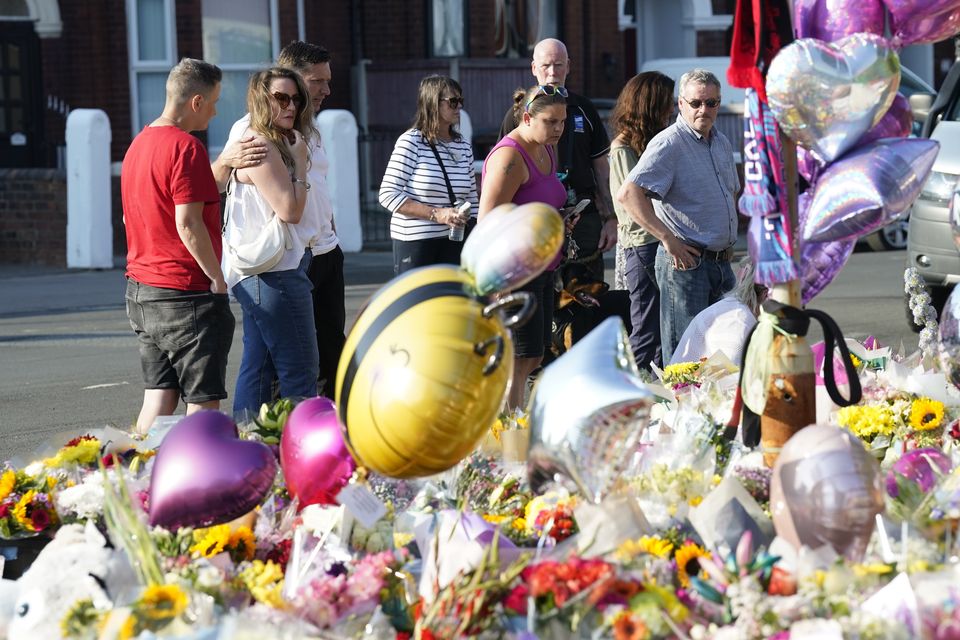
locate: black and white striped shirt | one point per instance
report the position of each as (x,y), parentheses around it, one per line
(413,174)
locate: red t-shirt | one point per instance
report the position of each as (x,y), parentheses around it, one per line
(164,167)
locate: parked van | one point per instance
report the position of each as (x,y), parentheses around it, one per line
(930,246)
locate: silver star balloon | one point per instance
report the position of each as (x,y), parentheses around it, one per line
(587,413)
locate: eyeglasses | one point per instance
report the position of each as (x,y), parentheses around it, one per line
(284,99)
(546,90)
(712,103)
(453,102)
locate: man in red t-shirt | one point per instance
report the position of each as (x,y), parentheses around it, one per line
(176,296)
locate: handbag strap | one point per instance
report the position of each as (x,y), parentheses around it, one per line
(436,154)
(226,206)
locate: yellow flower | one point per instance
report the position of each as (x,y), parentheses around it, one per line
(20,510)
(210,542)
(875,568)
(264,580)
(242,543)
(129,627)
(695,501)
(926,414)
(680,372)
(84,452)
(867,421)
(856,361)
(687,554)
(7,482)
(647,544)
(520,524)
(494,518)
(162,602)
(496,428)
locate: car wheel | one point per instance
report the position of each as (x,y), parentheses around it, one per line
(892,237)
(938,297)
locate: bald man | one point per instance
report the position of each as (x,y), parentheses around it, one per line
(581,158)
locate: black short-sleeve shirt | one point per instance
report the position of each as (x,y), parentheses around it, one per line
(584,138)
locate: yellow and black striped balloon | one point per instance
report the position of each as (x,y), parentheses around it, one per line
(412,394)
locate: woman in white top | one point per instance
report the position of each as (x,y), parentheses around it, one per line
(724,325)
(279,338)
(414,188)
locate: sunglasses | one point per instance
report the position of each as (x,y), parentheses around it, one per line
(284,99)
(453,102)
(712,103)
(546,90)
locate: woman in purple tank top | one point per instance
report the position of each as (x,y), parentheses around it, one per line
(522,168)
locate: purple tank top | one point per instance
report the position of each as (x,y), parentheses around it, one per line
(538,187)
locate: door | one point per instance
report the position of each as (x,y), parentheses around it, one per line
(21,96)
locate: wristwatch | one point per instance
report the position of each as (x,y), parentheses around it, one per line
(306,185)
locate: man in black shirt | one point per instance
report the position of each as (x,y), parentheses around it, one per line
(581,158)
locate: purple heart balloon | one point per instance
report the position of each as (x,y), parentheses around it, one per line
(205,475)
(895,123)
(921,21)
(917,466)
(820,262)
(830,20)
(868,188)
(315,461)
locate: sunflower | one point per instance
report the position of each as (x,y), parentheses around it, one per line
(162,602)
(926,414)
(210,542)
(20,510)
(647,544)
(686,559)
(7,482)
(242,543)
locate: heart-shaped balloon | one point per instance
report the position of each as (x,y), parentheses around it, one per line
(830,20)
(820,262)
(897,122)
(949,346)
(587,413)
(920,21)
(511,246)
(205,475)
(868,188)
(827,95)
(315,461)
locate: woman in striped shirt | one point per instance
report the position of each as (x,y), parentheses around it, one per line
(429,174)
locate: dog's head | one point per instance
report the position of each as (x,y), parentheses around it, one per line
(580,286)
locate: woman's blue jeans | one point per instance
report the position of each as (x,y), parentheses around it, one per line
(279,337)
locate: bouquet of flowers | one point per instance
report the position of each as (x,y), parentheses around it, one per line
(892,416)
(26,505)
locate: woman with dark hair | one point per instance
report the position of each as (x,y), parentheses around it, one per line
(279,338)
(429,184)
(642,110)
(522,168)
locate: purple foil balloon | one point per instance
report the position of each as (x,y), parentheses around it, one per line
(205,475)
(922,21)
(820,262)
(830,20)
(868,188)
(315,461)
(917,466)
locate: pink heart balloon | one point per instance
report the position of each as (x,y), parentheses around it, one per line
(205,475)
(830,20)
(921,21)
(315,461)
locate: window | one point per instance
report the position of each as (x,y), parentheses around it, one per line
(14,8)
(448,30)
(240,38)
(153,52)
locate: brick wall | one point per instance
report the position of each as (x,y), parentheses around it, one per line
(33,216)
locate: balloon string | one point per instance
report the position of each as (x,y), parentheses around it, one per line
(774,323)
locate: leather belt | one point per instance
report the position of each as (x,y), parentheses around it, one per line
(724,255)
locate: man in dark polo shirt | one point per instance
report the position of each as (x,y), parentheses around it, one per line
(683,192)
(582,162)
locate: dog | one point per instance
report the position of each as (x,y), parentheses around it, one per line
(583,302)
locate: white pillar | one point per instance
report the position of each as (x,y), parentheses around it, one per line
(338,131)
(89,229)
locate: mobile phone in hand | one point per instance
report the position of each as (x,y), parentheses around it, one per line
(464,207)
(569,213)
